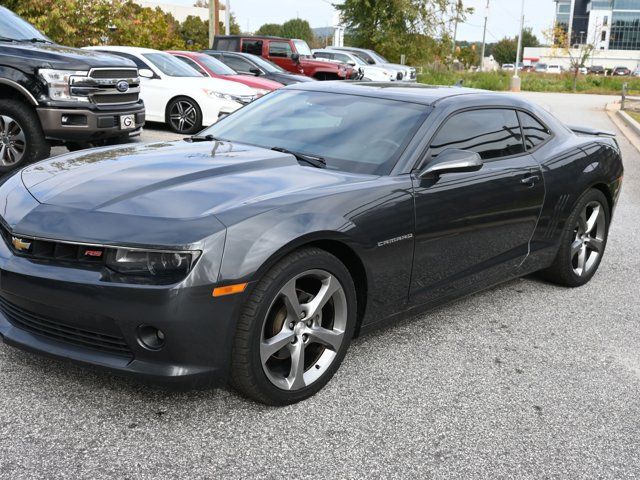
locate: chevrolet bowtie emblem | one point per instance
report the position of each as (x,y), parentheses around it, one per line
(20,244)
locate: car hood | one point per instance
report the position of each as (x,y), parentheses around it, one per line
(288,79)
(177,180)
(49,55)
(254,82)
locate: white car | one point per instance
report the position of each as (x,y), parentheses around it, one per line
(556,69)
(369,72)
(404,73)
(176,94)
(509,67)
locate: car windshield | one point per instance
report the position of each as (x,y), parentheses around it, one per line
(12,27)
(170,65)
(377,57)
(267,65)
(350,132)
(216,66)
(302,48)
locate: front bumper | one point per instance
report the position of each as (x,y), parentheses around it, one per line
(70,314)
(88,125)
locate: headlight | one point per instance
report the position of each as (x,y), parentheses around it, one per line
(175,265)
(222,96)
(59,83)
(261,92)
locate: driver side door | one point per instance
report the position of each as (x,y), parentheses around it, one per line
(473,228)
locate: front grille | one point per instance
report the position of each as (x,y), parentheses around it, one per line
(53,250)
(113,73)
(112,98)
(50,328)
(101,86)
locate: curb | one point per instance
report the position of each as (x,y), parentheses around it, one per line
(630,122)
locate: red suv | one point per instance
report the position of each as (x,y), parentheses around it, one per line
(292,55)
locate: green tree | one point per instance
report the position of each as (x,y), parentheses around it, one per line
(195,33)
(297,28)
(234,28)
(272,29)
(505,51)
(396,27)
(146,27)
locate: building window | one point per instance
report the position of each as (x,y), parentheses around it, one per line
(625,31)
(604,37)
(605,21)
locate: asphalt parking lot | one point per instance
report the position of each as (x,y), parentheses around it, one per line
(527,380)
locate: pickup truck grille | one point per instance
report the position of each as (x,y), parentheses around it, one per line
(108,86)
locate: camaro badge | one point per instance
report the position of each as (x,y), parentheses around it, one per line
(395,240)
(20,244)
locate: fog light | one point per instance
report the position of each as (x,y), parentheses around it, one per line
(151,337)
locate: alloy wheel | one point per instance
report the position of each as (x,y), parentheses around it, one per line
(589,237)
(13,142)
(303,330)
(183,115)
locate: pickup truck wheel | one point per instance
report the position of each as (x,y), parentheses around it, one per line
(184,115)
(22,140)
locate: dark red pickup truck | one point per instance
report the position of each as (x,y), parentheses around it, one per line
(292,55)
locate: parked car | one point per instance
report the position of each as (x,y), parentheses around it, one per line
(404,72)
(555,69)
(597,70)
(55,95)
(248,64)
(292,55)
(621,72)
(254,252)
(583,70)
(210,67)
(509,67)
(541,68)
(178,95)
(636,72)
(368,72)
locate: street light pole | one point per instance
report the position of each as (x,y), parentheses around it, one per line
(455,27)
(214,27)
(515,81)
(484,36)
(227,19)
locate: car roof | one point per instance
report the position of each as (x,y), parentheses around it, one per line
(124,49)
(415,93)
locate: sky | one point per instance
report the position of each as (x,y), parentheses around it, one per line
(504,15)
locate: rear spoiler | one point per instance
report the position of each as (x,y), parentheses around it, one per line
(591,131)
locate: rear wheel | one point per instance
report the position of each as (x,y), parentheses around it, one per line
(295,329)
(184,115)
(22,140)
(583,242)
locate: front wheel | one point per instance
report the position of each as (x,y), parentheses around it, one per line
(583,242)
(184,116)
(22,140)
(295,329)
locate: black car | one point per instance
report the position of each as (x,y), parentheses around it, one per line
(248,64)
(253,252)
(597,70)
(56,95)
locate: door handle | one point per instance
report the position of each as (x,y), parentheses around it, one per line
(530,180)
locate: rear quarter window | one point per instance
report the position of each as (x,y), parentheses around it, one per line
(534,132)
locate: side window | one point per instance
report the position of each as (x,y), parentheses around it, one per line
(194,65)
(342,57)
(280,49)
(252,46)
(493,133)
(324,55)
(534,132)
(238,64)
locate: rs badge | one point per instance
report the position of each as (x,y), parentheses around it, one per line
(20,244)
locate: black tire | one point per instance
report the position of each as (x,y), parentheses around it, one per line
(192,121)
(36,146)
(248,376)
(562,270)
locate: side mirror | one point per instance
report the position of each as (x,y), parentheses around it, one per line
(295,57)
(351,63)
(255,71)
(146,73)
(451,161)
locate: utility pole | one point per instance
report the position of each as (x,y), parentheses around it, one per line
(214,19)
(227,19)
(484,36)
(455,27)
(515,81)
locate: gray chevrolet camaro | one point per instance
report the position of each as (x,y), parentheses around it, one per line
(253,252)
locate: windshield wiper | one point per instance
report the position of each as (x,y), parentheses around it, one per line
(7,39)
(203,138)
(35,40)
(317,162)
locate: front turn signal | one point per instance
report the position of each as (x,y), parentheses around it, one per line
(229,289)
